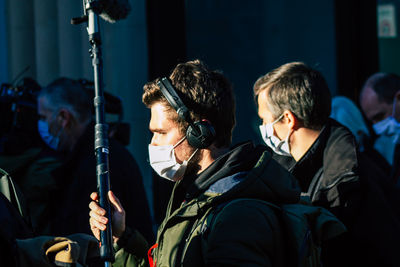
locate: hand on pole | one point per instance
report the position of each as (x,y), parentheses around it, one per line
(98,219)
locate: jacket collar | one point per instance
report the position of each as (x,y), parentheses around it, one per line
(334,151)
(241,158)
(312,160)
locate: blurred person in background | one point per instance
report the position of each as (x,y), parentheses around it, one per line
(380,102)
(65,124)
(347,113)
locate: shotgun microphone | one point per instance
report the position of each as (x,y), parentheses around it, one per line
(113,10)
(109,10)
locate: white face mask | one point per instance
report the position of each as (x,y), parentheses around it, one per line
(163,161)
(280,147)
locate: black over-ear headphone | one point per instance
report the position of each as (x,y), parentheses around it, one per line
(200,134)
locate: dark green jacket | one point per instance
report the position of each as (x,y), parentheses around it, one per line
(200,229)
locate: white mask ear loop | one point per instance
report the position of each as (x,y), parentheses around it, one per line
(288,136)
(179,142)
(192,155)
(278,119)
(275,121)
(286,140)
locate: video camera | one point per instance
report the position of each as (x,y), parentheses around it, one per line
(18,120)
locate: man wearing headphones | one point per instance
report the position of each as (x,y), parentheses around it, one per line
(212,217)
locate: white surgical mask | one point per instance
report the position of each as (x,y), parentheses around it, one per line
(163,161)
(51,140)
(280,147)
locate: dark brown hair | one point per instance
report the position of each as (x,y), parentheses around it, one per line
(207,94)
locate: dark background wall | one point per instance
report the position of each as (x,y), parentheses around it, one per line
(246,39)
(3,44)
(356,45)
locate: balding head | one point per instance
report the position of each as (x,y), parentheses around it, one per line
(378,95)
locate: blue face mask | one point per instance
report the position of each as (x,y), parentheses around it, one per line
(388,126)
(388,131)
(48,138)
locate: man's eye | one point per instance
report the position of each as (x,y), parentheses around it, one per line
(158,134)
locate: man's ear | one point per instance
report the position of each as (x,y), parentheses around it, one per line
(65,117)
(291,120)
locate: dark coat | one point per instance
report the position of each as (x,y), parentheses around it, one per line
(351,186)
(329,172)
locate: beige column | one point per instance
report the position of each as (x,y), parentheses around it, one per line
(46,41)
(3,43)
(71,58)
(21,38)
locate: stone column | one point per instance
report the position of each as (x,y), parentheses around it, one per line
(3,43)
(21,38)
(70,37)
(46,41)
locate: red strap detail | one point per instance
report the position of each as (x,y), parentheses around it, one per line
(150,255)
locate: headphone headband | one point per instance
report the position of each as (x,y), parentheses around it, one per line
(173,98)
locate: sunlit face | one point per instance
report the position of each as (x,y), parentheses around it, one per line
(374,109)
(166,132)
(280,130)
(263,111)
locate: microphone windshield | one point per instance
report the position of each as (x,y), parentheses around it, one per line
(113,10)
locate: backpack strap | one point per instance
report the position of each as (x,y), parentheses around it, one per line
(210,219)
